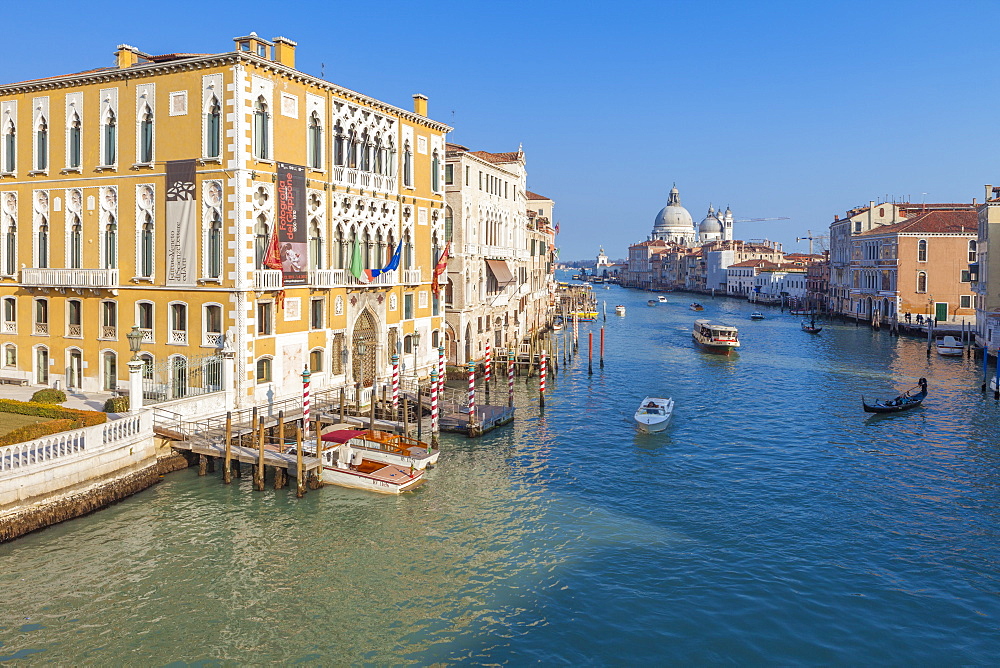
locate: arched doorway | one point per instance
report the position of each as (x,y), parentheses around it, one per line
(468,342)
(363,349)
(75,376)
(110,371)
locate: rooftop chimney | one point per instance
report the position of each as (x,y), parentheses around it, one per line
(420,104)
(989,192)
(284,51)
(126,56)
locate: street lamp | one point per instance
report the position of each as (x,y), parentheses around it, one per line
(134,341)
(415,338)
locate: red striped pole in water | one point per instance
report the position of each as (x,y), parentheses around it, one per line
(602,346)
(434,407)
(488,365)
(472,395)
(395,384)
(510,378)
(305,401)
(441,370)
(590,353)
(543,372)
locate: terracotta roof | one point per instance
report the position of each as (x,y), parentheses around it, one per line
(750,263)
(934,222)
(455,147)
(175,56)
(531,195)
(654,242)
(497,158)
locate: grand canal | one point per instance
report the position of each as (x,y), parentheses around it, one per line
(773,522)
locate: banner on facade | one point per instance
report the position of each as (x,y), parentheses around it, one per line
(291,228)
(182,224)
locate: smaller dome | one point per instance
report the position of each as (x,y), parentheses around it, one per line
(710,225)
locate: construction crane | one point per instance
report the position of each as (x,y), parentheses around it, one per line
(811,238)
(758,220)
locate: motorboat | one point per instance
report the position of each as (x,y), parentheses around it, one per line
(756,315)
(715,337)
(584,316)
(799,311)
(904,401)
(662,299)
(557,323)
(654,413)
(620,310)
(383,446)
(949,346)
(651,302)
(695,306)
(349,466)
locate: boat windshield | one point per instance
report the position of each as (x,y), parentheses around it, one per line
(652,411)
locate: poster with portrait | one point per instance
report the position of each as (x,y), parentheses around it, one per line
(291,228)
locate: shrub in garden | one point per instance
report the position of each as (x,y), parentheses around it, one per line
(48,396)
(116,405)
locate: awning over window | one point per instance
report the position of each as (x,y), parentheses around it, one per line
(500,271)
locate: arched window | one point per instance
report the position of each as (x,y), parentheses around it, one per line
(407,251)
(973,247)
(42,145)
(43,244)
(407,165)
(10,355)
(146,248)
(75,150)
(76,244)
(9,147)
(10,249)
(316,360)
(338,145)
(921,281)
(212,325)
(315,246)
(261,150)
(366,250)
(213,129)
(340,251)
(146,136)
(352,148)
(260,233)
(922,250)
(435,172)
(109,370)
(215,247)
(379,156)
(74,318)
(111,244)
(390,162)
(315,142)
(110,139)
(264,370)
(366,153)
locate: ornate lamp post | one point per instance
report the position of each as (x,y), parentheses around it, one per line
(415,337)
(135,370)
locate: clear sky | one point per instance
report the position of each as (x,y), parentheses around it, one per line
(795,109)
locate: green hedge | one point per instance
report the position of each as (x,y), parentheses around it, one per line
(63,419)
(49,396)
(116,405)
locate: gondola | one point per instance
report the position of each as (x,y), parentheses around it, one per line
(809,326)
(903,402)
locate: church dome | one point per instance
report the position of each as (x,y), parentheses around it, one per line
(711,224)
(673,218)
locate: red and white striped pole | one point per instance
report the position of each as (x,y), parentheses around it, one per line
(434,407)
(543,373)
(305,401)
(395,384)
(472,395)
(441,370)
(488,365)
(510,378)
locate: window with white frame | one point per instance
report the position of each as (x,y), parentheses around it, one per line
(74,138)
(42,316)
(972,251)
(109,139)
(921,281)
(922,250)
(144,318)
(10,315)
(316,360)
(265,318)
(316,312)
(315,149)
(75,242)
(109,320)
(42,244)
(146,239)
(261,116)
(264,370)
(178,323)
(407,165)
(10,355)
(215,246)
(212,319)
(9,153)
(41,144)
(213,129)
(146,136)
(965,301)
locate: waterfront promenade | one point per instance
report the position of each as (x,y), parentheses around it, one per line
(773,523)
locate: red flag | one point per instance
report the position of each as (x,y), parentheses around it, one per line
(440,269)
(272,257)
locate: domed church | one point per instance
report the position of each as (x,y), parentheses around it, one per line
(674,224)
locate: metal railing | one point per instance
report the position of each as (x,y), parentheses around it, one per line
(181,377)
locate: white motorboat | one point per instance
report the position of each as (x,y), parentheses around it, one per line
(382,446)
(949,346)
(661,299)
(756,315)
(620,310)
(349,466)
(651,302)
(654,413)
(715,337)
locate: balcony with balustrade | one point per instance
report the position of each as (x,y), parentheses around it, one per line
(179,337)
(411,276)
(70,278)
(9,327)
(267,279)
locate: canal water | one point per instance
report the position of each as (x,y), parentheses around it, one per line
(773,522)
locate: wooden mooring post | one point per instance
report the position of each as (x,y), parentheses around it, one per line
(227,471)
(258,479)
(300,482)
(279,473)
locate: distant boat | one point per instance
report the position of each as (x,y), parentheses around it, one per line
(949,346)
(651,302)
(662,299)
(620,310)
(654,413)
(809,326)
(695,306)
(715,337)
(799,311)
(903,402)
(756,315)
(585,316)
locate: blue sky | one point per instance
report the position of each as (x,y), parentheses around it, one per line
(776,109)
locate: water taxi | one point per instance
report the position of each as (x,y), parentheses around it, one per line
(695,306)
(756,315)
(715,337)
(349,466)
(383,446)
(662,299)
(651,302)
(949,346)
(654,413)
(584,316)
(620,310)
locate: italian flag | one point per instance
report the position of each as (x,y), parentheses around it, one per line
(363,275)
